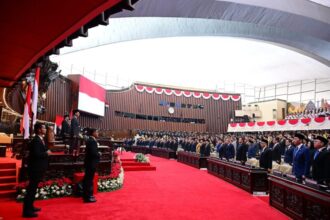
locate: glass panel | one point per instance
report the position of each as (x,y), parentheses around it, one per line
(282,85)
(281,91)
(270,93)
(270,87)
(283,97)
(308,87)
(322,80)
(294,98)
(294,89)
(323,86)
(307,96)
(294,83)
(308,81)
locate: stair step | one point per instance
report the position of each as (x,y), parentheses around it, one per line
(139,168)
(7,166)
(8,172)
(135,164)
(7,186)
(7,179)
(8,194)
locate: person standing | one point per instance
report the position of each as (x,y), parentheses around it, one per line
(288,155)
(65,130)
(37,166)
(321,161)
(242,149)
(92,158)
(276,150)
(74,132)
(301,158)
(265,160)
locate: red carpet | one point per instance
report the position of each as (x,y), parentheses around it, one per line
(130,164)
(174,191)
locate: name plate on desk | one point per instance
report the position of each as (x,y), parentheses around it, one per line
(277,173)
(311,183)
(291,177)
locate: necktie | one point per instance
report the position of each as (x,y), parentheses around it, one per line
(316,154)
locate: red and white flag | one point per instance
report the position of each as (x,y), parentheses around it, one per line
(35,96)
(91,97)
(27,112)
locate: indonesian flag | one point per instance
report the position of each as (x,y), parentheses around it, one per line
(27,112)
(91,97)
(35,96)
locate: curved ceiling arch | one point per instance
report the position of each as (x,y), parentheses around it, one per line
(128,29)
(300,25)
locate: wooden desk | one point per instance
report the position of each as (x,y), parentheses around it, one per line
(192,159)
(163,152)
(65,165)
(141,149)
(298,200)
(245,177)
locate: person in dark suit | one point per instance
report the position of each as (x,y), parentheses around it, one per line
(230,150)
(74,132)
(207,148)
(288,155)
(223,149)
(92,158)
(242,149)
(301,158)
(265,160)
(321,161)
(65,130)
(276,150)
(37,166)
(252,149)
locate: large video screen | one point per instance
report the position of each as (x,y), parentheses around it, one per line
(91,97)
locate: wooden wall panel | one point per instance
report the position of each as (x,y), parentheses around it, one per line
(216,113)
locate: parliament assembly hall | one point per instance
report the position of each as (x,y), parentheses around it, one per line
(154,109)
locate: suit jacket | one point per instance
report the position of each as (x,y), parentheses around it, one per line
(288,155)
(75,127)
(38,157)
(230,151)
(301,162)
(265,160)
(207,150)
(321,167)
(276,154)
(65,128)
(241,152)
(92,156)
(222,150)
(252,150)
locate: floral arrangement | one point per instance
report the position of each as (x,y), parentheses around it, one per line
(48,189)
(141,158)
(116,178)
(107,183)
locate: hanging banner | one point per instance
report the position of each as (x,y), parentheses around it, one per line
(321,123)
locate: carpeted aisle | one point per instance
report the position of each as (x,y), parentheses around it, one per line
(173,191)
